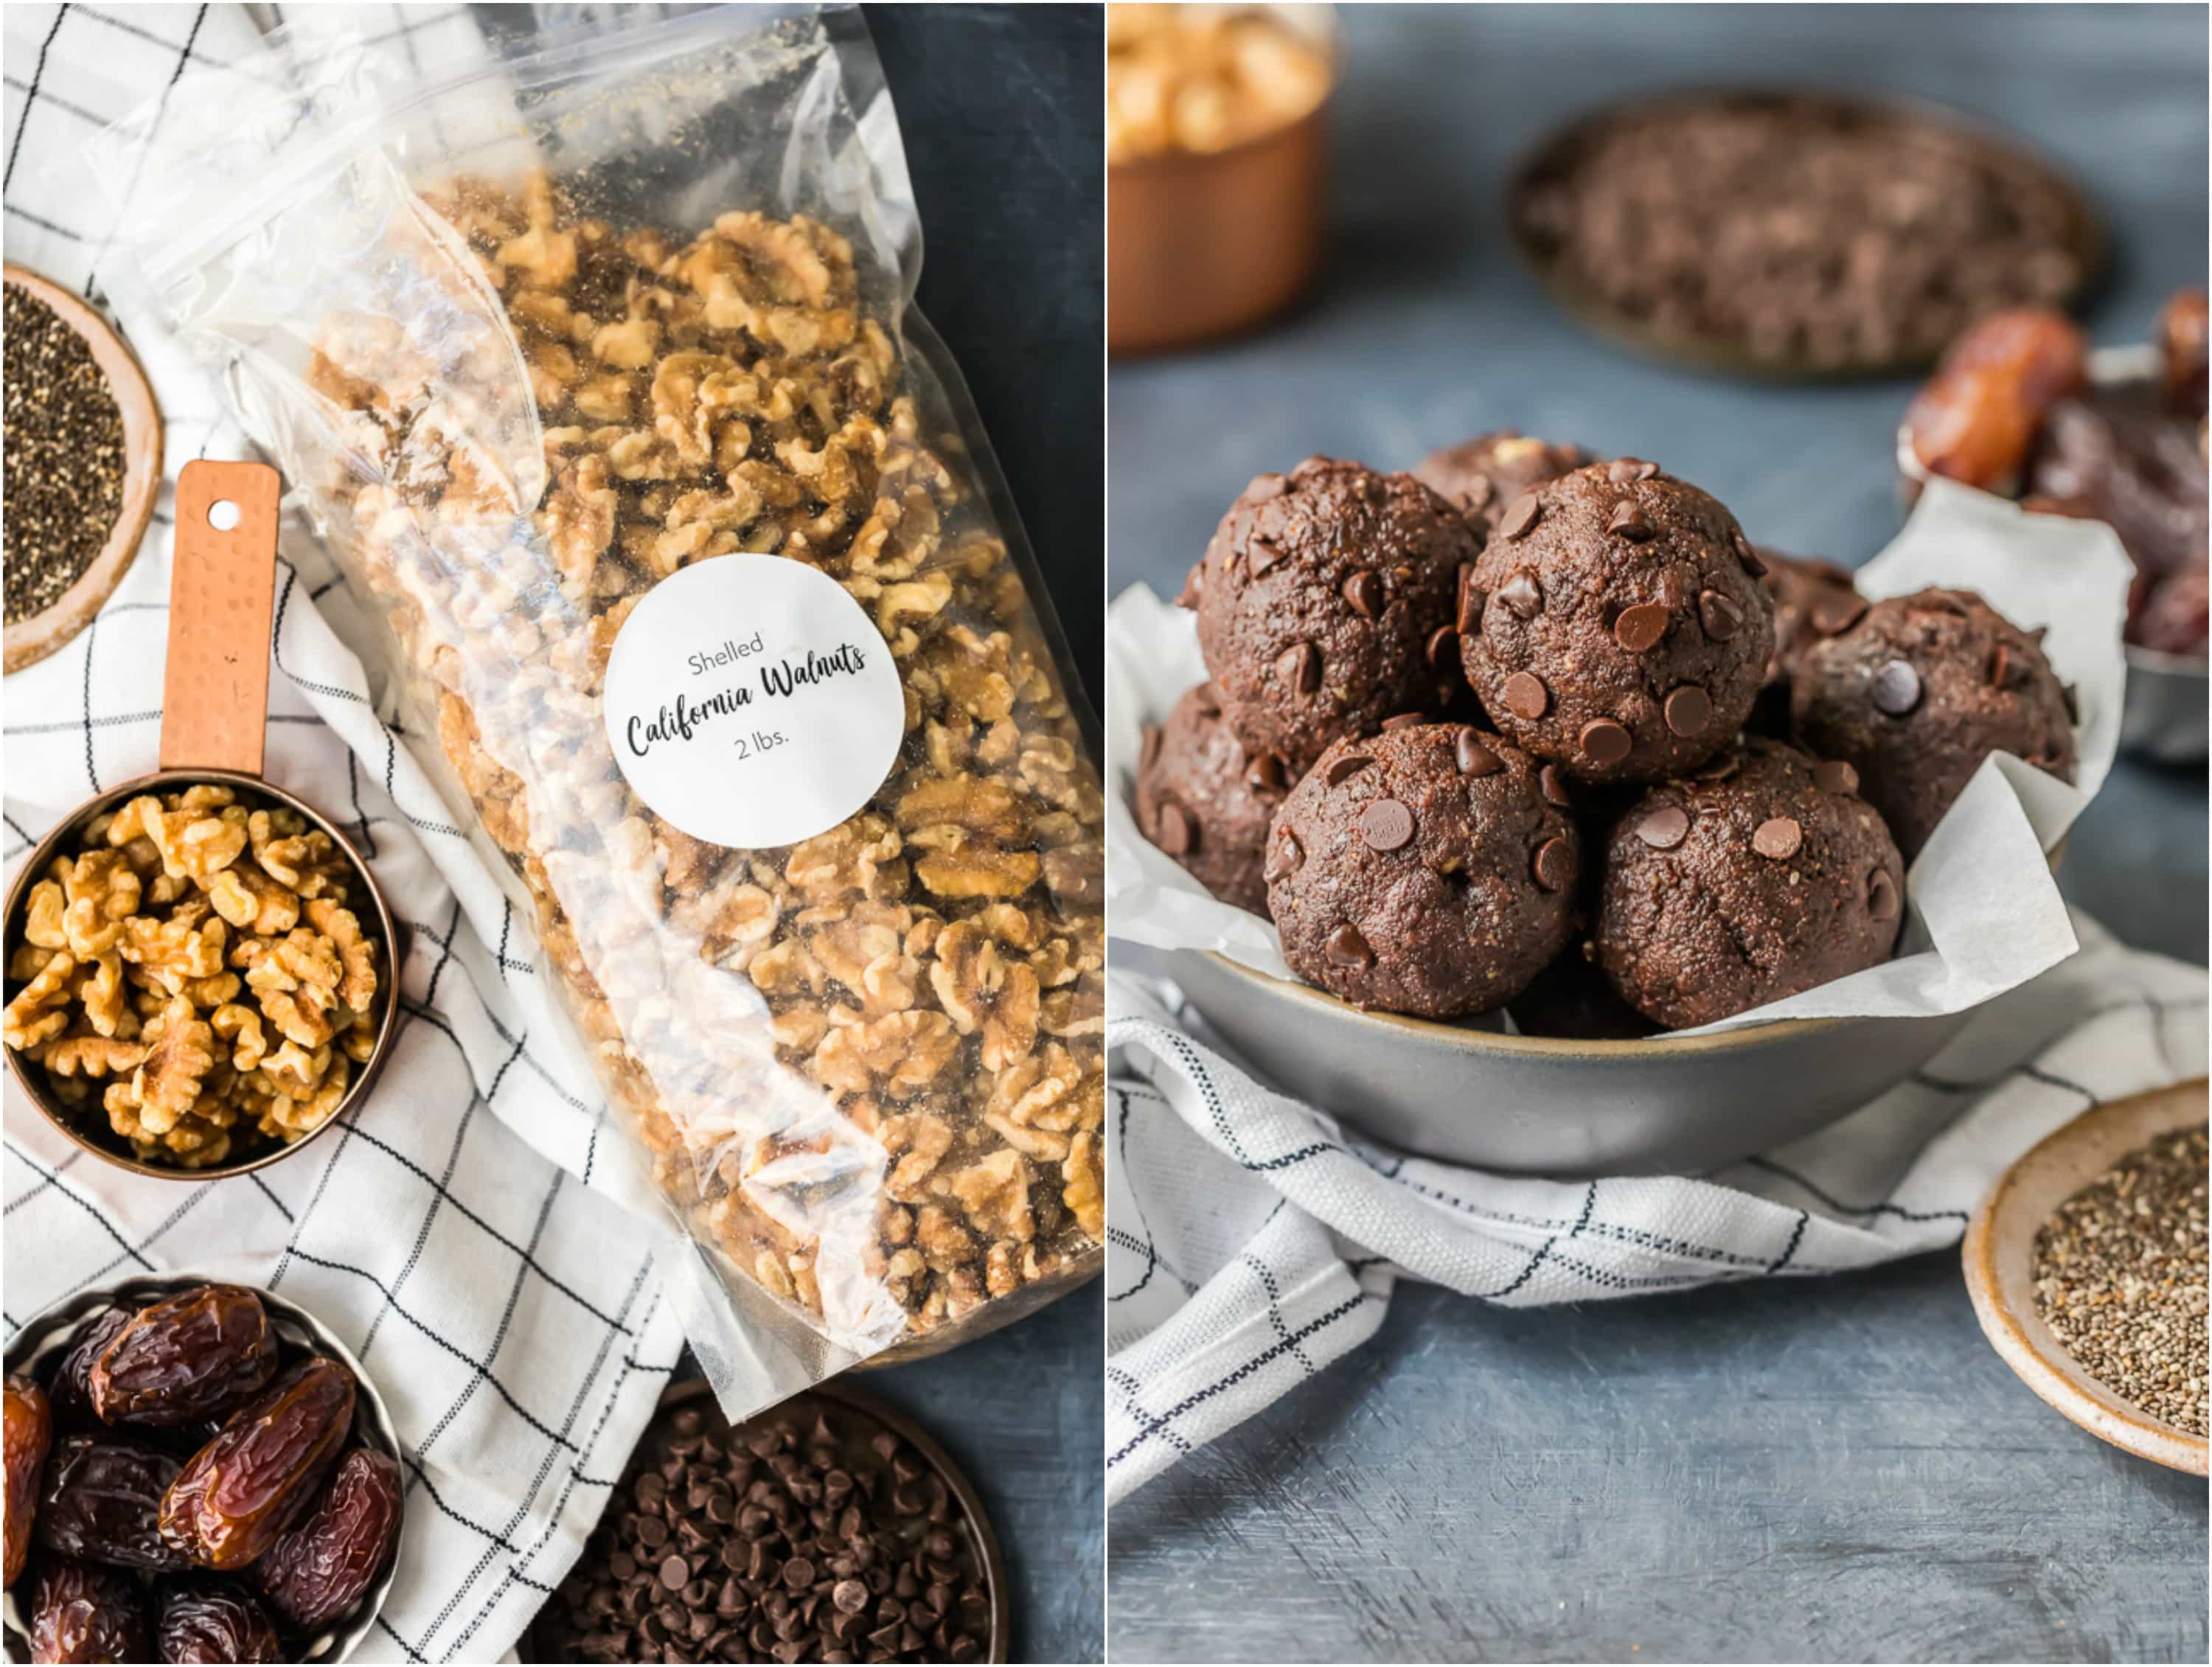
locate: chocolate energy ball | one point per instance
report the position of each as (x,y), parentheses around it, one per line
(1615,624)
(1205,802)
(1922,688)
(1423,871)
(1763,874)
(1325,605)
(1813,600)
(1480,477)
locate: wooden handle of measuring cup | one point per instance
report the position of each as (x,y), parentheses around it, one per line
(222,589)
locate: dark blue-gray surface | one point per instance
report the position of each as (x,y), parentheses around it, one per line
(1838,1472)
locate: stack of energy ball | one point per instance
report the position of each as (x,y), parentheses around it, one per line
(1529,727)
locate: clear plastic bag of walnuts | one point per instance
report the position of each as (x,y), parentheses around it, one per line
(597,368)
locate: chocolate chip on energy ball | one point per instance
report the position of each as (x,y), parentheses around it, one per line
(1480,476)
(1554,787)
(1347,948)
(1526,696)
(1834,775)
(1386,824)
(1176,829)
(1640,628)
(1689,710)
(1778,837)
(1344,766)
(1896,688)
(1721,618)
(1519,594)
(1521,516)
(1603,741)
(1473,757)
(1364,592)
(1555,864)
(1664,829)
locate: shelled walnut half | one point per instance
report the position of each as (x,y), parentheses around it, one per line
(868,1066)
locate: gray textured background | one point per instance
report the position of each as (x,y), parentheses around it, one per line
(1838,1472)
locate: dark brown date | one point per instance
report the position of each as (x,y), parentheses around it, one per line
(320,1567)
(244,1489)
(209,1619)
(2182,329)
(197,1355)
(103,1502)
(83,1612)
(1979,414)
(29,1432)
(71,1387)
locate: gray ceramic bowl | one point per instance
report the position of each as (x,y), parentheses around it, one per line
(47,1333)
(1542,1105)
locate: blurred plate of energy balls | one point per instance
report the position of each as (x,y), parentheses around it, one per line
(1794,233)
(2022,406)
(1534,730)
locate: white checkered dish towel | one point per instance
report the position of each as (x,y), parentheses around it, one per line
(461,1233)
(1252,1241)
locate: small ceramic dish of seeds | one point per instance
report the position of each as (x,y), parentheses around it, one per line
(84,464)
(2087,1268)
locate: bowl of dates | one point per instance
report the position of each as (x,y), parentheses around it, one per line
(196,1471)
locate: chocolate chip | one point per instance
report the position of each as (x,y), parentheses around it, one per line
(1473,757)
(1284,857)
(1342,769)
(1385,825)
(1364,591)
(1555,864)
(1747,555)
(1640,628)
(1689,709)
(1521,595)
(1404,720)
(1834,775)
(1177,832)
(1604,742)
(1521,516)
(1266,774)
(1665,827)
(1444,647)
(1526,697)
(1300,666)
(1881,895)
(1346,948)
(1626,471)
(1720,617)
(1266,488)
(849,1595)
(1554,787)
(1469,616)
(1896,688)
(675,1573)
(2006,668)
(1629,521)
(1148,751)
(1207,700)
(1778,837)
(1260,555)
(1832,616)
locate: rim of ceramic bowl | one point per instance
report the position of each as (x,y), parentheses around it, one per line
(2085,233)
(61,1117)
(2109,367)
(47,1332)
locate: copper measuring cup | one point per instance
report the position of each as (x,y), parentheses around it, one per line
(215,714)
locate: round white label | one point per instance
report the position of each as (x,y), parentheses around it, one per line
(750,702)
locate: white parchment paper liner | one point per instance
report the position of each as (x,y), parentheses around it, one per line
(1985,913)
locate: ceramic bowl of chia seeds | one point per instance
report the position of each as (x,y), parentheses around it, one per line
(2087,1268)
(84,464)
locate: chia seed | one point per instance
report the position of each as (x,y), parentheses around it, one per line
(2119,1278)
(63,456)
